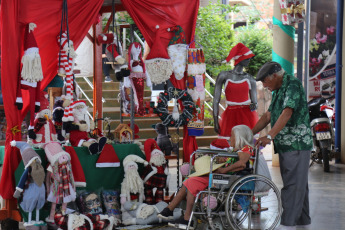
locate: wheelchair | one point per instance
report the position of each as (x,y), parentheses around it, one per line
(249,201)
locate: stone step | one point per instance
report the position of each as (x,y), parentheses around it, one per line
(112,102)
(111,93)
(105,86)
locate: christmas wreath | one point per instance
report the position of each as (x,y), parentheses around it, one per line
(171,119)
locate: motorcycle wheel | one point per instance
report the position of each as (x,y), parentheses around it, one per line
(325,159)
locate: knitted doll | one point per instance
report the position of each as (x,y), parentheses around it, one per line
(30,184)
(155,174)
(59,181)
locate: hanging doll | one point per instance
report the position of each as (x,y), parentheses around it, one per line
(155,174)
(137,76)
(240,94)
(30,184)
(59,181)
(31,76)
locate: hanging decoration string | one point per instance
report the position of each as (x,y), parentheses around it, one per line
(64,27)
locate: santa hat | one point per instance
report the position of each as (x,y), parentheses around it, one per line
(179,36)
(151,147)
(27,152)
(220,144)
(44,104)
(105,38)
(53,151)
(77,103)
(108,158)
(158,64)
(239,53)
(31,60)
(136,45)
(131,160)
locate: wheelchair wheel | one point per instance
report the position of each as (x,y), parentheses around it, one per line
(253,202)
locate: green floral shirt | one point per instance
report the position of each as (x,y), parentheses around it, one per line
(296,135)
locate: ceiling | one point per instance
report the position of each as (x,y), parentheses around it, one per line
(109,2)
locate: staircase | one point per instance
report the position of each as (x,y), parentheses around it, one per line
(111,109)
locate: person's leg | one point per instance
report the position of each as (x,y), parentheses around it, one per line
(189,207)
(106,67)
(181,195)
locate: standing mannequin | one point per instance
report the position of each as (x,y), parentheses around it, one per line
(240,93)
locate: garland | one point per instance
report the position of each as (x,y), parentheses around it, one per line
(162,107)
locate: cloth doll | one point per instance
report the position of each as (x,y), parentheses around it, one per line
(44,128)
(59,181)
(132,187)
(142,214)
(58,112)
(155,174)
(78,131)
(111,203)
(163,139)
(240,94)
(30,184)
(31,75)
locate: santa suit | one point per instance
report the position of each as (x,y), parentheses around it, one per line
(44,133)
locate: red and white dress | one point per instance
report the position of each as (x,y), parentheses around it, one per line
(237,111)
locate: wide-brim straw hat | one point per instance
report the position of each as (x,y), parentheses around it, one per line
(202,166)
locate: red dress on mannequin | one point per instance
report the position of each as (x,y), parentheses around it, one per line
(237,111)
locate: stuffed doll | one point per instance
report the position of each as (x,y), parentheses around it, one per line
(163,139)
(59,181)
(155,174)
(89,203)
(81,127)
(132,187)
(111,203)
(142,214)
(30,184)
(58,112)
(31,75)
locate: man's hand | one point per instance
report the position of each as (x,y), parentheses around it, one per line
(263,141)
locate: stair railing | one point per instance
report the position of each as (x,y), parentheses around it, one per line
(209,94)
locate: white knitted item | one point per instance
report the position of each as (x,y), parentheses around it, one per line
(159,69)
(32,68)
(195,69)
(178,56)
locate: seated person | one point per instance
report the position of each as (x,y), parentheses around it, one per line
(242,141)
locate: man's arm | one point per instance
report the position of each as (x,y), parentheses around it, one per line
(262,123)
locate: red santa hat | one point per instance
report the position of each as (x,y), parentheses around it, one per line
(105,38)
(239,53)
(221,144)
(108,158)
(31,60)
(44,103)
(151,147)
(77,103)
(158,64)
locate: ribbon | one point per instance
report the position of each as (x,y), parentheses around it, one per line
(293,9)
(15,130)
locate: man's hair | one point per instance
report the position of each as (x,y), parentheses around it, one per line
(279,73)
(243,135)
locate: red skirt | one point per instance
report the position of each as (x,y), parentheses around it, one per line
(236,115)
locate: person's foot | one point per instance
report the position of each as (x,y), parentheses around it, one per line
(93,148)
(166,214)
(107,79)
(180,223)
(102,141)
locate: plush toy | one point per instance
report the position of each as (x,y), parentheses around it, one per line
(141,213)
(132,187)
(58,111)
(30,184)
(78,131)
(111,203)
(31,75)
(163,139)
(59,181)
(155,174)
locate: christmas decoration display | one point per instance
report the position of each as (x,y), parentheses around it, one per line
(158,64)
(177,50)
(30,184)
(240,94)
(142,214)
(66,66)
(81,127)
(196,88)
(58,112)
(89,203)
(123,133)
(293,11)
(132,186)
(111,203)
(31,75)
(108,158)
(75,92)
(163,139)
(175,119)
(59,181)
(77,169)
(44,128)
(155,174)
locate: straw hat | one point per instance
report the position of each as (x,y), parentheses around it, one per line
(202,166)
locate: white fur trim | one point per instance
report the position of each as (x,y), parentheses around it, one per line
(237,82)
(153,172)
(223,137)
(32,84)
(107,165)
(132,158)
(38,137)
(216,148)
(13,143)
(195,69)
(37,103)
(30,127)
(47,132)
(80,184)
(230,103)
(32,160)
(19,189)
(19,100)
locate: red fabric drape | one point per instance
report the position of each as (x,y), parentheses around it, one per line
(149,13)
(15,15)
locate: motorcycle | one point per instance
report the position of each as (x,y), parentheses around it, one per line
(322,132)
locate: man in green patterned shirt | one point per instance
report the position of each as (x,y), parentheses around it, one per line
(291,136)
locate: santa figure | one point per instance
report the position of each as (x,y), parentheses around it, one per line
(31,75)
(132,187)
(44,128)
(155,174)
(81,127)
